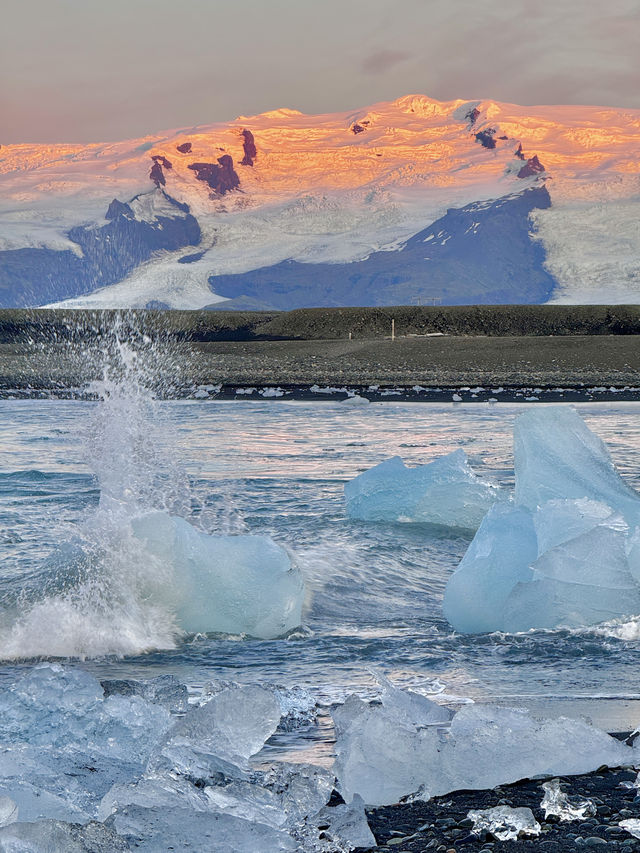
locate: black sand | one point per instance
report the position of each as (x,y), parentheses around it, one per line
(441,823)
(517,347)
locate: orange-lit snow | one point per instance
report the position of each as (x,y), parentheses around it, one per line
(318,191)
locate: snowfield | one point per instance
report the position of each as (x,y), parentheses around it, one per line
(336,188)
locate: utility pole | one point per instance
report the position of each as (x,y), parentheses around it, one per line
(393,330)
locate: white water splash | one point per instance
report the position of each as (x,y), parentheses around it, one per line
(114,590)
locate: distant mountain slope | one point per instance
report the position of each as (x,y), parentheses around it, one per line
(481,254)
(172,218)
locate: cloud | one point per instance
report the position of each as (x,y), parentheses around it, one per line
(381,61)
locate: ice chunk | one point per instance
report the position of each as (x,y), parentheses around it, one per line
(556,802)
(558,521)
(338,828)
(558,457)
(230,584)
(8,811)
(222,734)
(410,707)
(282,797)
(568,553)
(504,823)
(164,690)
(584,581)
(383,758)
(632,825)
(55,836)
(444,492)
(157,830)
(498,558)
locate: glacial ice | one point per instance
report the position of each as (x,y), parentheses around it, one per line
(445,492)
(8,811)
(632,825)
(228,584)
(557,457)
(556,802)
(383,756)
(566,552)
(504,822)
(55,836)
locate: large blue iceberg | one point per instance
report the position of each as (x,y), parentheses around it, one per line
(445,492)
(566,551)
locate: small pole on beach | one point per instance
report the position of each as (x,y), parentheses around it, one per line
(349,335)
(393,330)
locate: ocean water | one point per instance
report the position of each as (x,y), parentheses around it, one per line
(274,468)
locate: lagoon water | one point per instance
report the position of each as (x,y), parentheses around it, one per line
(275,468)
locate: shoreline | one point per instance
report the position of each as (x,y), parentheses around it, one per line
(440,824)
(353,395)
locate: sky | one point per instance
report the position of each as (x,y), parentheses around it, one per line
(100,70)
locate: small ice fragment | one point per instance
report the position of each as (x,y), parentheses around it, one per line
(632,825)
(556,802)
(445,492)
(632,785)
(504,823)
(345,827)
(233,725)
(8,811)
(456,398)
(355,400)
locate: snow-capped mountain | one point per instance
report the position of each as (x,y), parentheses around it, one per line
(414,200)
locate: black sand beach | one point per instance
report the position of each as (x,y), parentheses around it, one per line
(542,352)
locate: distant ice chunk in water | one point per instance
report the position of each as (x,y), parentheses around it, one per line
(383,755)
(504,822)
(229,584)
(444,492)
(566,553)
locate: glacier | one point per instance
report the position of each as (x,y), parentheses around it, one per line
(331,191)
(565,551)
(444,492)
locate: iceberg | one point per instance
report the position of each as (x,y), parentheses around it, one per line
(384,756)
(228,584)
(566,552)
(558,457)
(445,492)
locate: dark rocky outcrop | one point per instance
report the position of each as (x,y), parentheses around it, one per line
(472,115)
(191,259)
(486,137)
(220,176)
(360,126)
(184,147)
(249,147)
(107,254)
(482,253)
(157,175)
(533,166)
(518,152)
(158,158)
(118,208)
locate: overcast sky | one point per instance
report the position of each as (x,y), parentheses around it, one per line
(92,70)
